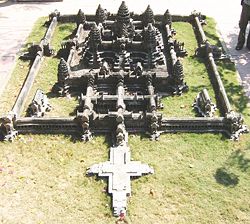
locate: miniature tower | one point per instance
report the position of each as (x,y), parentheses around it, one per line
(150,37)
(100,15)
(62,76)
(123,15)
(178,78)
(80,18)
(178,75)
(151,44)
(167,18)
(148,16)
(94,38)
(123,27)
(94,41)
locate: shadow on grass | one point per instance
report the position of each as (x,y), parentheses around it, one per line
(213,37)
(70,36)
(197,59)
(234,89)
(62,53)
(197,89)
(236,160)
(66,26)
(226,178)
(52,95)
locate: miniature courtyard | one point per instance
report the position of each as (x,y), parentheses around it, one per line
(114,88)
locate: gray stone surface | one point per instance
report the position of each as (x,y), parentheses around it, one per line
(119,170)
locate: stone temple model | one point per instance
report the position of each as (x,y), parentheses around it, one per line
(121,65)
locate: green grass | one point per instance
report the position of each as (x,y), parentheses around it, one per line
(195,73)
(199,178)
(188,167)
(47,77)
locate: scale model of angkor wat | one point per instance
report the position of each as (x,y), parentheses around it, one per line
(121,65)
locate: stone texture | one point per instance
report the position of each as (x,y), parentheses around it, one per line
(119,170)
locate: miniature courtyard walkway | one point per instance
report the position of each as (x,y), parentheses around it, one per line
(17,19)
